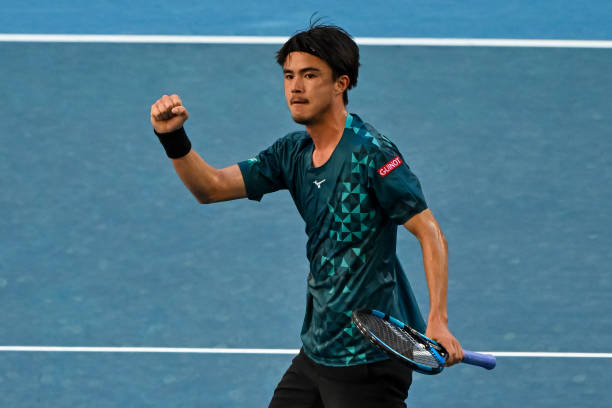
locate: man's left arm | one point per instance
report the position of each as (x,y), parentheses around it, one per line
(435,257)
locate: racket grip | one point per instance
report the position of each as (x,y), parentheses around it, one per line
(482,360)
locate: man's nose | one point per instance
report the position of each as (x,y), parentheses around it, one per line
(297,86)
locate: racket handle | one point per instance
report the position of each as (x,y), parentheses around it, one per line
(482,360)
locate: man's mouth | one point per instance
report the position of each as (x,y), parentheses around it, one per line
(299,101)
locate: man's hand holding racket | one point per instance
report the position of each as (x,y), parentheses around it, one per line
(438,330)
(168,114)
(418,351)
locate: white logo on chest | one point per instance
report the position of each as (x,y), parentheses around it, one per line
(318,183)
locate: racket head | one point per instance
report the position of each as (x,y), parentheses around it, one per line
(400,342)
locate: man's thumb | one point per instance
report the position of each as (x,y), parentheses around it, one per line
(179,111)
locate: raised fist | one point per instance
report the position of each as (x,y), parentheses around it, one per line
(168,114)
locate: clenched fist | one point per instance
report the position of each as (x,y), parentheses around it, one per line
(168,114)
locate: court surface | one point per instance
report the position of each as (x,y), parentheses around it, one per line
(102,246)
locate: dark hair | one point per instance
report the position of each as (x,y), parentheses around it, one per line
(330,43)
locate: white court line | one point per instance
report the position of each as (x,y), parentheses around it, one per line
(209,350)
(205,39)
(214,350)
(547,354)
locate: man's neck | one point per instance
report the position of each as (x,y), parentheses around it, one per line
(327,132)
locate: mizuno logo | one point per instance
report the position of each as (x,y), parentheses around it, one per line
(318,183)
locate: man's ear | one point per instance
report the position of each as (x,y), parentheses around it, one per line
(342,83)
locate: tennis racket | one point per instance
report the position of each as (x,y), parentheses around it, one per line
(408,345)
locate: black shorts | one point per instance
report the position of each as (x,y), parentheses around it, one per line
(307,384)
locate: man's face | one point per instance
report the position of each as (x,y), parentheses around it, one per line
(309,87)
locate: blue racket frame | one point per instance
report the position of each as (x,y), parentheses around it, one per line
(436,349)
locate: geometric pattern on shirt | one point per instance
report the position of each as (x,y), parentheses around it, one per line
(353,213)
(350,341)
(352,219)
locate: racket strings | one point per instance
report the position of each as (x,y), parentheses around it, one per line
(400,341)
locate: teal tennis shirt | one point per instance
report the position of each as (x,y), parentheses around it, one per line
(352,206)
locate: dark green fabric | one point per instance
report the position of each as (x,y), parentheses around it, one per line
(351,214)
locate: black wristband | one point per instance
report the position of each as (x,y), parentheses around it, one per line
(176,143)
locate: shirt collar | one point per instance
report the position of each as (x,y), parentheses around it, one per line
(353,121)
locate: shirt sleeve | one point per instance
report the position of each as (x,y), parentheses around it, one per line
(396,188)
(263,173)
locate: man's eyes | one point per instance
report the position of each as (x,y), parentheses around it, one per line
(308,76)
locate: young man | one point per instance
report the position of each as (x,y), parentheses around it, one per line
(353,189)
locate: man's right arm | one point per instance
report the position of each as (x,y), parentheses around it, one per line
(206,183)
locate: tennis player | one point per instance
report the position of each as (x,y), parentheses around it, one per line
(353,188)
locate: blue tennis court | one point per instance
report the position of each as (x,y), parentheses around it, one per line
(102,245)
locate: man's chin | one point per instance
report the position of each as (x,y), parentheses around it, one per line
(302,120)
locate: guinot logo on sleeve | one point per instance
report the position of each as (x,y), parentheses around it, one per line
(390,166)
